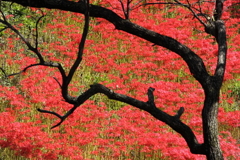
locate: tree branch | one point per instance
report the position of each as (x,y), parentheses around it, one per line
(173,121)
(194,62)
(81,46)
(62,118)
(66,79)
(36,29)
(222,49)
(30,47)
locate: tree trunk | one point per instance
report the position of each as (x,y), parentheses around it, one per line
(210,122)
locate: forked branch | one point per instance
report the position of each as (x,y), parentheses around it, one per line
(173,121)
(68,78)
(65,78)
(194,62)
(62,118)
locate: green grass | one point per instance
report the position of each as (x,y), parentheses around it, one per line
(8,154)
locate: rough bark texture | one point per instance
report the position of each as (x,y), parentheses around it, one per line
(210,83)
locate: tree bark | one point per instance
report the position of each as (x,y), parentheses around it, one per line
(210,123)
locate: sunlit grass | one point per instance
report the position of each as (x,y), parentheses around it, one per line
(8,154)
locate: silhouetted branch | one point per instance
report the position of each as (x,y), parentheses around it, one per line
(80,47)
(149,106)
(151,97)
(155,3)
(30,47)
(125,12)
(57,82)
(194,62)
(173,121)
(179,112)
(55,114)
(67,79)
(62,118)
(5,75)
(196,15)
(36,29)
(24,69)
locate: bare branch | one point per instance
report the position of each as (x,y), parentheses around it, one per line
(67,79)
(193,61)
(218,9)
(5,75)
(36,28)
(128,9)
(30,47)
(53,113)
(197,13)
(189,6)
(62,118)
(123,9)
(57,82)
(50,112)
(165,3)
(151,97)
(222,49)
(173,121)
(179,112)
(24,69)
(81,45)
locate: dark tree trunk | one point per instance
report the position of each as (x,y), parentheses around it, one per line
(210,122)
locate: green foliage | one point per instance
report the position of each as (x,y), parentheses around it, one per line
(235,88)
(232,88)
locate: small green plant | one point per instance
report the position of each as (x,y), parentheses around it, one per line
(232,88)
(235,87)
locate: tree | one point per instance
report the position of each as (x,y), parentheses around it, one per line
(211,84)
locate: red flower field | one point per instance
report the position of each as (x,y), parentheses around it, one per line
(103,128)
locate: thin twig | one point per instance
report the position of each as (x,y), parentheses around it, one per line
(30,47)
(81,45)
(67,79)
(5,75)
